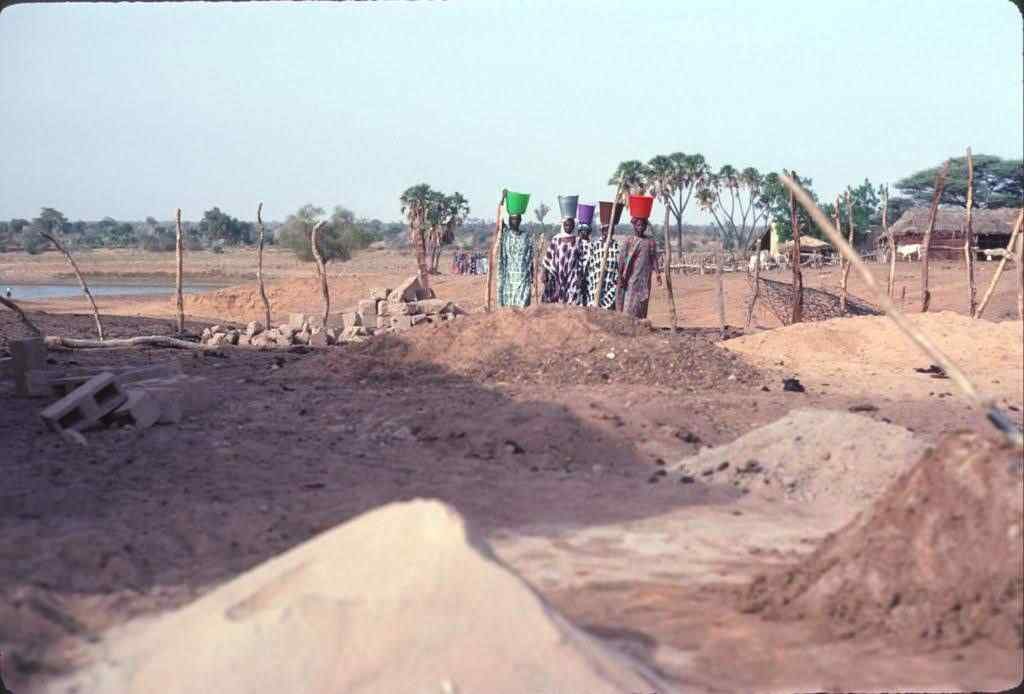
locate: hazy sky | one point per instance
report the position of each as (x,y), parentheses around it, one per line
(133,110)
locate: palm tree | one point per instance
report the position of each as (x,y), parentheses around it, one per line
(736,202)
(540,212)
(691,171)
(446,213)
(630,176)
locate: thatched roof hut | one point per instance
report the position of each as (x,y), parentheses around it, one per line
(992,229)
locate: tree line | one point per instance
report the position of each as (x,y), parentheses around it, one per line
(744,202)
(215,231)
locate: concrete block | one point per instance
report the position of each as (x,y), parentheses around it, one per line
(297,320)
(86,405)
(27,354)
(253,328)
(370,321)
(378,293)
(401,323)
(367,307)
(409,290)
(418,318)
(382,307)
(433,306)
(141,410)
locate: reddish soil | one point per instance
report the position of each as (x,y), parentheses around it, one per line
(936,559)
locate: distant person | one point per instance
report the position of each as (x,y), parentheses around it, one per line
(638,258)
(8,293)
(561,270)
(515,264)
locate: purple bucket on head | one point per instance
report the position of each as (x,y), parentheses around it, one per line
(585,214)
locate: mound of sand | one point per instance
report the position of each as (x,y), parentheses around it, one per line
(869,354)
(938,558)
(554,344)
(840,458)
(401,599)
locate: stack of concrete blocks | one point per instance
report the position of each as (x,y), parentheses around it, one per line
(300,329)
(398,309)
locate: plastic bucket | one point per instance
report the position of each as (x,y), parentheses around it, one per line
(516,203)
(640,206)
(606,212)
(585,214)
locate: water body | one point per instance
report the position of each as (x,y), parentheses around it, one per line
(59,291)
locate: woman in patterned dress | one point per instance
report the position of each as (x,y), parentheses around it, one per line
(638,258)
(515,266)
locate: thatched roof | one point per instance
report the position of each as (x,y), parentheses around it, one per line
(808,242)
(951,220)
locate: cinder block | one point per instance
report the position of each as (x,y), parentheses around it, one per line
(86,405)
(141,410)
(297,320)
(67,382)
(401,323)
(418,318)
(26,354)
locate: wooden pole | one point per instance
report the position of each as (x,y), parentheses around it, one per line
(940,183)
(492,262)
(259,265)
(757,286)
(972,290)
(837,219)
(21,315)
(891,240)
(846,265)
(668,269)
(798,279)
(1002,264)
(81,280)
(180,301)
(1020,276)
(606,245)
(720,293)
(322,269)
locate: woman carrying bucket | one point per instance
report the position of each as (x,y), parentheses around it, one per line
(562,260)
(515,266)
(638,258)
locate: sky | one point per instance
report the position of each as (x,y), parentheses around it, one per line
(133,110)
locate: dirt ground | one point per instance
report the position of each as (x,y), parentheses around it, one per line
(564,470)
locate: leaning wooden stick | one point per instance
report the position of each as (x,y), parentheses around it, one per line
(757,286)
(259,263)
(926,244)
(21,315)
(81,280)
(720,293)
(1002,264)
(798,278)
(177,276)
(315,247)
(668,272)
(891,240)
(905,326)
(495,253)
(972,290)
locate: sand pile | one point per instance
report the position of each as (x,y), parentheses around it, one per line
(401,599)
(807,456)
(869,354)
(559,344)
(937,559)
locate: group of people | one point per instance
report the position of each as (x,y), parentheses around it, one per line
(578,269)
(466,263)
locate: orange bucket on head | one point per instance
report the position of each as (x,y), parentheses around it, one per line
(640,206)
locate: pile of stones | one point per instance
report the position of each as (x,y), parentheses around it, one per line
(384,311)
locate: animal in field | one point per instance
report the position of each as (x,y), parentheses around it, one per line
(991,253)
(907,250)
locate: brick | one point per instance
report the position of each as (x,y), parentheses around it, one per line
(86,405)
(27,354)
(141,410)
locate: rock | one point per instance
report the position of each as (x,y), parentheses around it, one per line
(792,385)
(232,337)
(217,329)
(722,466)
(261,340)
(434,306)
(273,334)
(687,479)
(217,339)
(409,290)
(244,339)
(206,335)
(297,320)
(749,467)
(253,328)
(302,337)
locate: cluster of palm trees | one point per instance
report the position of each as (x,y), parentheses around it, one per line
(738,201)
(433,218)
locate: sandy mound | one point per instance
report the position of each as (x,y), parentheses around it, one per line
(554,344)
(938,558)
(401,599)
(810,455)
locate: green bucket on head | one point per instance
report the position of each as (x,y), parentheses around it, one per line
(516,203)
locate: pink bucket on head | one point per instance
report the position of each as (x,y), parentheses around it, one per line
(585,214)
